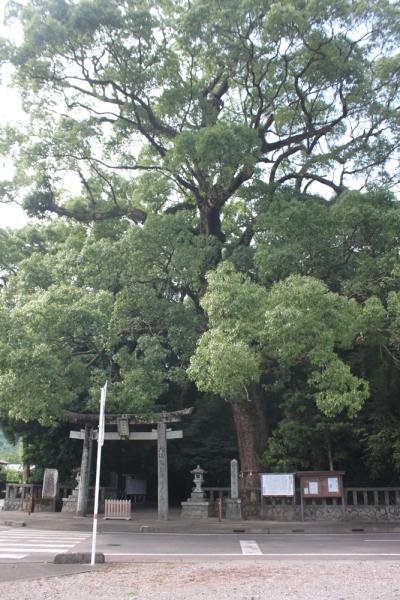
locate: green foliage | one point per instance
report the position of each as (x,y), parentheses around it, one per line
(13,476)
(297,322)
(351,243)
(111,303)
(339,389)
(205,95)
(9,451)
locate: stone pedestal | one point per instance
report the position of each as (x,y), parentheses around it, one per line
(233,509)
(70,504)
(195,510)
(46,505)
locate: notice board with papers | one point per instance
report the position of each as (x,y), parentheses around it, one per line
(277,484)
(321,484)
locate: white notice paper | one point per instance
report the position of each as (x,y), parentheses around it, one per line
(313,486)
(277,484)
(333,484)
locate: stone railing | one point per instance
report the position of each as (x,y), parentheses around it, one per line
(215,493)
(377,496)
(358,504)
(18,495)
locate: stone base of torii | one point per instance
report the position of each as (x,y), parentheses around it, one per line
(124,423)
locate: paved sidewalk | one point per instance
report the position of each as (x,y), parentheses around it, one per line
(145,520)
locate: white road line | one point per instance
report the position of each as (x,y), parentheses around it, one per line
(143,554)
(383,541)
(39,533)
(50,537)
(38,550)
(29,544)
(20,544)
(250,547)
(43,535)
(332,554)
(188,554)
(39,540)
(231,533)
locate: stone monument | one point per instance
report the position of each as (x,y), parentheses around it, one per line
(49,491)
(234,504)
(197,506)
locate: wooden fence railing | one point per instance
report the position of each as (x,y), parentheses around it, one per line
(117,509)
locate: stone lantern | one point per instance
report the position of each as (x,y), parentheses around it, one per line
(197,506)
(198,481)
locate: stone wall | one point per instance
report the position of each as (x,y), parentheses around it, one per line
(15,504)
(285,512)
(47,506)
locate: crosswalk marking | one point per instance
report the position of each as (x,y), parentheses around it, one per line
(20,544)
(43,539)
(8,544)
(250,547)
(39,550)
(43,534)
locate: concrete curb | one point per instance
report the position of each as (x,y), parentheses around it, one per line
(75,558)
(147,523)
(14,523)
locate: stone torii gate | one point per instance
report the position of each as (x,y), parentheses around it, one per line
(123,423)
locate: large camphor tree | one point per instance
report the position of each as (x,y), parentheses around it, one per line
(141,110)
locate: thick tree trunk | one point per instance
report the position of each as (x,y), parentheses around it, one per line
(210,221)
(251,430)
(26,471)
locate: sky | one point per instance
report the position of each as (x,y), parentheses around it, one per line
(11,215)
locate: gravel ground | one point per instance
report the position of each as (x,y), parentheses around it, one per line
(289,580)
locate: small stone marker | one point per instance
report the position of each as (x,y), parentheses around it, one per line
(50,484)
(49,491)
(233,505)
(234,479)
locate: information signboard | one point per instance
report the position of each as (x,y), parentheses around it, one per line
(277,484)
(321,484)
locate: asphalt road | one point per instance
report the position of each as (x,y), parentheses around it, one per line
(19,546)
(236,546)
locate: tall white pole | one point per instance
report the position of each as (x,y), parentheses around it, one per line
(100,442)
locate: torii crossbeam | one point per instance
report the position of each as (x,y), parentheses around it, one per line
(123,423)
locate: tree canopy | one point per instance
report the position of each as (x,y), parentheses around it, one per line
(159,105)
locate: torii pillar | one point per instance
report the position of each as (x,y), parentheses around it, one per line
(83,490)
(162,467)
